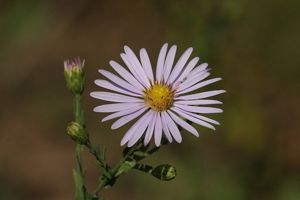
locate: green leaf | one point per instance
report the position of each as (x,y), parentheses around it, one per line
(79,187)
(125,167)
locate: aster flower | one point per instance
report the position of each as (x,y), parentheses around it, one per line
(160,104)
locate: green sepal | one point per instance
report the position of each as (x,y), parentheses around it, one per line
(75,80)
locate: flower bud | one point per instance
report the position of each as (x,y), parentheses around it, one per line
(77,133)
(164,172)
(74,75)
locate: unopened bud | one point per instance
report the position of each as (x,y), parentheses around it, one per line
(164,172)
(74,75)
(77,133)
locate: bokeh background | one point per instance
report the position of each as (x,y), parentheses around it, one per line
(253,45)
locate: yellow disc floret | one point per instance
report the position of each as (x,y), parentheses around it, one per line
(159,97)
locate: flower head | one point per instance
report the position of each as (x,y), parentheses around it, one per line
(74,75)
(160,103)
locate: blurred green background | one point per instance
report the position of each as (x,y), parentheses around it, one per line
(253,45)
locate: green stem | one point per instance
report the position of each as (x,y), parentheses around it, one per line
(153,150)
(144,168)
(95,151)
(101,185)
(78,112)
(79,148)
(108,173)
(110,178)
(128,154)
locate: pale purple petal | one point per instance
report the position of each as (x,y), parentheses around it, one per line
(161,62)
(180,64)
(115,79)
(147,64)
(114,107)
(172,127)
(126,75)
(199,85)
(110,86)
(132,130)
(190,82)
(184,124)
(202,117)
(137,65)
(124,112)
(124,120)
(200,95)
(199,109)
(186,71)
(113,97)
(193,119)
(132,69)
(169,62)
(140,131)
(158,130)
(150,129)
(128,134)
(198,69)
(166,128)
(199,102)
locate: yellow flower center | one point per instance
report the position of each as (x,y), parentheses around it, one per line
(159,97)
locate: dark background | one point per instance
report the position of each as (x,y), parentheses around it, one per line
(253,45)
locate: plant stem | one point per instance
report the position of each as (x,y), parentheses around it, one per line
(79,148)
(95,151)
(129,153)
(108,173)
(78,112)
(143,167)
(101,185)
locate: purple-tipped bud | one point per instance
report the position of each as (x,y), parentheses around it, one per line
(74,75)
(72,64)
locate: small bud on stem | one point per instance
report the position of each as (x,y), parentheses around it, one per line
(74,75)
(77,133)
(164,172)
